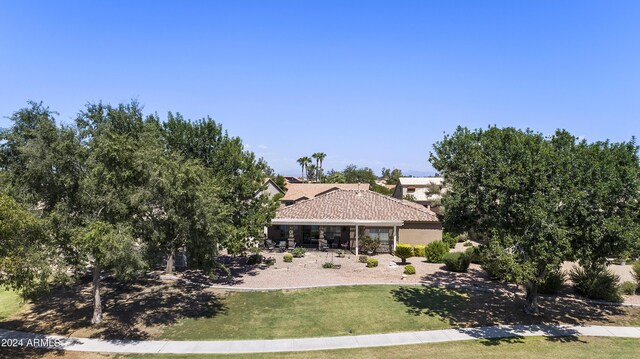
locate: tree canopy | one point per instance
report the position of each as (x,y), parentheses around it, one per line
(539,200)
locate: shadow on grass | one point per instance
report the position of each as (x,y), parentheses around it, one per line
(481,310)
(130,310)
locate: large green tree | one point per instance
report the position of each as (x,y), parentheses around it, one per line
(506,190)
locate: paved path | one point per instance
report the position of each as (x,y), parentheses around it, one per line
(303,344)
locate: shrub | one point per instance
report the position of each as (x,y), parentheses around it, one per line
(456,261)
(636,271)
(552,283)
(327,265)
(409,269)
(340,253)
(403,251)
(418,250)
(270,261)
(628,288)
(434,251)
(372,262)
(449,239)
(498,263)
(467,244)
(254,259)
(298,252)
(288,257)
(474,254)
(598,283)
(369,244)
(363,259)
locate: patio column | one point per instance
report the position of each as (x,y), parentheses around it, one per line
(321,239)
(395,237)
(356,240)
(291,239)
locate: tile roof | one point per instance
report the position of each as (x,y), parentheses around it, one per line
(420,181)
(354,205)
(298,191)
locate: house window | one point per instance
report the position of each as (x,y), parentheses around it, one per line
(380,233)
(411,189)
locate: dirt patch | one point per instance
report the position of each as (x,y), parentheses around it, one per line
(136,310)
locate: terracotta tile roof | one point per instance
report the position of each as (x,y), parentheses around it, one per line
(298,191)
(365,205)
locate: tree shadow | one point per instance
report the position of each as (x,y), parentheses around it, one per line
(482,311)
(131,311)
(236,269)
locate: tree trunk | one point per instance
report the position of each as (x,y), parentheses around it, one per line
(97,305)
(170,262)
(531,306)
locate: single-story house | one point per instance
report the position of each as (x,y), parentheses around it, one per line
(301,191)
(340,217)
(426,191)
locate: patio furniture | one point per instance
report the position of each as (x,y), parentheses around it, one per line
(269,245)
(282,245)
(292,247)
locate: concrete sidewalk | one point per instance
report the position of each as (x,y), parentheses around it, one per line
(15,338)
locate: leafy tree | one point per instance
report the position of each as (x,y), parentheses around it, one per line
(25,250)
(334,177)
(353,174)
(391,176)
(238,171)
(280,181)
(507,190)
(312,171)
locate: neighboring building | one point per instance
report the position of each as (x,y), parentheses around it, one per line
(300,191)
(291,179)
(338,219)
(421,189)
(271,188)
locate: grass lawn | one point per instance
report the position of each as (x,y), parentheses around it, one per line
(10,303)
(321,312)
(534,347)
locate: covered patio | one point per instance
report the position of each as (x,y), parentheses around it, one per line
(340,218)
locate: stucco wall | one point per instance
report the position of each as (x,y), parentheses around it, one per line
(419,233)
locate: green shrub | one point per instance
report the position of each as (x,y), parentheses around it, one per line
(403,251)
(628,288)
(434,251)
(474,254)
(340,253)
(368,244)
(270,261)
(363,259)
(456,261)
(635,268)
(418,250)
(449,239)
(467,244)
(372,262)
(598,283)
(327,265)
(552,283)
(254,259)
(298,252)
(409,269)
(288,257)
(499,263)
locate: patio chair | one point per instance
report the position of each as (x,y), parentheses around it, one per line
(292,247)
(269,245)
(282,245)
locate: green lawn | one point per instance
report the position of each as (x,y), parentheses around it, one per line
(536,347)
(10,303)
(321,312)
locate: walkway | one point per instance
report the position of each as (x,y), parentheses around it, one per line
(303,344)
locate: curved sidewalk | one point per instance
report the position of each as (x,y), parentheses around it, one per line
(305,344)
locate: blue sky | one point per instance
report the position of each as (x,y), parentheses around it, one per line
(374,83)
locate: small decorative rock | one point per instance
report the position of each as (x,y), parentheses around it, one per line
(404,276)
(393,265)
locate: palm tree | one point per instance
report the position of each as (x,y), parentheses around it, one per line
(319,156)
(303,162)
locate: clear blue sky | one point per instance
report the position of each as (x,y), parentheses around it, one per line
(367,82)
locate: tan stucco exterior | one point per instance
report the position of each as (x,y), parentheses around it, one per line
(420,233)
